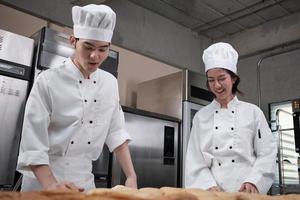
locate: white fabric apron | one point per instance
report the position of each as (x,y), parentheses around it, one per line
(76,170)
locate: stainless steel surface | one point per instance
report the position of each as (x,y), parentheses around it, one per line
(49,60)
(189,111)
(192,83)
(12,102)
(178,95)
(154,151)
(57,43)
(165,95)
(162,95)
(53,48)
(16,53)
(16,48)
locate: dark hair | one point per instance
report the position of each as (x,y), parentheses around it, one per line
(234,86)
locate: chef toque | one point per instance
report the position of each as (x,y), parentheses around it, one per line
(220,55)
(94,22)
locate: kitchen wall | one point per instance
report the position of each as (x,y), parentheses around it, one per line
(133,67)
(144,32)
(279,74)
(266,36)
(137,29)
(279,78)
(19,22)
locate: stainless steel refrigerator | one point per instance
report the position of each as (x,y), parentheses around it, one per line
(179,95)
(15,70)
(154,149)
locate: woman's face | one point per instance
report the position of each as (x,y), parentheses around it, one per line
(220,83)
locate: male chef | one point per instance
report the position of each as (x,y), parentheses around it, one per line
(73,110)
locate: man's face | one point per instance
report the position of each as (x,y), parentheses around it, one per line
(89,54)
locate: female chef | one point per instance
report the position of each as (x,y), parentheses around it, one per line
(231,147)
(73,110)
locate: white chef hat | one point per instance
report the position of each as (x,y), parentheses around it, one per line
(94,22)
(220,55)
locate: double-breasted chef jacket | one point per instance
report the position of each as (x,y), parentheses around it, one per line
(230,146)
(67,121)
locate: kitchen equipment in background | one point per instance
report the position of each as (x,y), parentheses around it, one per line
(52,48)
(154,149)
(178,95)
(284,130)
(296,121)
(162,95)
(16,48)
(189,111)
(16,53)
(166,94)
(195,98)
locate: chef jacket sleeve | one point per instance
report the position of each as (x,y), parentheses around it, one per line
(34,143)
(198,163)
(117,134)
(265,149)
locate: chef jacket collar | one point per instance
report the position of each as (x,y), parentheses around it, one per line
(72,67)
(230,104)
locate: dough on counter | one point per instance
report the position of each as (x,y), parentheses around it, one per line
(125,193)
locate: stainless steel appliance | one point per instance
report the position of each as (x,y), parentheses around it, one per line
(52,48)
(194,99)
(15,70)
(189,111)
(154,149)
(178,95)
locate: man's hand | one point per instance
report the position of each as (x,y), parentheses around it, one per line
(123,156)
(131,182)
(64,185)
(214,189)
(249,188)
(47,180)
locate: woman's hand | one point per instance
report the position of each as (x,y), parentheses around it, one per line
(214,189)
(249,188)
(131,182)
(64,185)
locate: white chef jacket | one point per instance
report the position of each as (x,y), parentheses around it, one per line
(230,146)
(67,121)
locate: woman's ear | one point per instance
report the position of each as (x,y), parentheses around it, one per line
(234,80)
